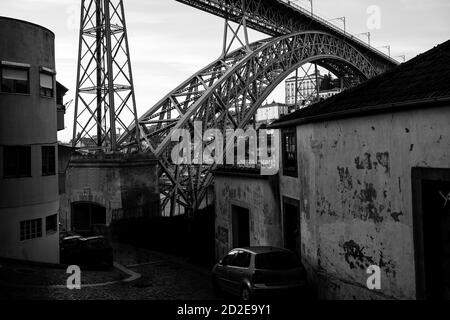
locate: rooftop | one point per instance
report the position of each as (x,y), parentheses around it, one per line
(273,104)
(14,20)
(305,77)
(262,249)
(421,82)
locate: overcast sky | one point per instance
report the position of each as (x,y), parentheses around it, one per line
(170,41)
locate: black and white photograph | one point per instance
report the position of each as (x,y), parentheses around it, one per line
(224,156)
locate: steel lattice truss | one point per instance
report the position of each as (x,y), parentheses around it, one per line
(105,105)
(277,18)
(227,93)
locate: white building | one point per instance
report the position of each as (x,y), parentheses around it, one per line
(29,200)
(270,112)
(323,95)
(307,89)
(306,86)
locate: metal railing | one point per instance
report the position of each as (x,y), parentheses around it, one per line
(336,28)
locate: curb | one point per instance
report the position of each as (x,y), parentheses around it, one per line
(132,277)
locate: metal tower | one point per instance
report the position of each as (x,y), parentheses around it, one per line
(105,104)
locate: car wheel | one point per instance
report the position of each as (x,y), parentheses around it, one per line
(245,294)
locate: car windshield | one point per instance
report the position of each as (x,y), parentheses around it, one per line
(276,261)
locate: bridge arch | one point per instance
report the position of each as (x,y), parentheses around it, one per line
(228,92)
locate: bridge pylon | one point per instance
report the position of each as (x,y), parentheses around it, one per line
(105,103)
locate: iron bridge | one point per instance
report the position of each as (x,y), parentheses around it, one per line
(227,92)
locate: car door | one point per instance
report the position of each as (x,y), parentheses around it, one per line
(223,272)
(239,271)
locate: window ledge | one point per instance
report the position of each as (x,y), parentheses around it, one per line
(18,177)
(15,94)
(290,174)
(29,240)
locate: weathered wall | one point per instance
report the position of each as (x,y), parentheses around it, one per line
(256,193)
(355,191)
(126,187)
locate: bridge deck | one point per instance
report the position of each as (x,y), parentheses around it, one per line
(278,17)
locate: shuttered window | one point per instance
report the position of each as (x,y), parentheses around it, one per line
(46,85)
(15,80)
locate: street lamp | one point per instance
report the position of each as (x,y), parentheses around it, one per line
(367,34)
(403,56)
(311,2)
(388,48)
(341,19)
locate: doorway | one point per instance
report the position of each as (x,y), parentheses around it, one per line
(86,214)
(291,224)
(431,194)
(241,226)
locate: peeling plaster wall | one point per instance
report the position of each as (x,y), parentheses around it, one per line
(257,195)
(355,191)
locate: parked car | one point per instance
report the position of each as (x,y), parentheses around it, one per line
(259,272)
(86,251)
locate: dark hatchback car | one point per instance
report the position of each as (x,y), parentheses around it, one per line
(86,251)
(260,272)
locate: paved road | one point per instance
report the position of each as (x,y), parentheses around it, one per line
(162,278)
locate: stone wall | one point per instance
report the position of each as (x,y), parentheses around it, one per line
(126,185)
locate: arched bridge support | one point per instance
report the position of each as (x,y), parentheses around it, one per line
(226,95)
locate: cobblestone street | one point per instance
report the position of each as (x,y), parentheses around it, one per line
(162,277)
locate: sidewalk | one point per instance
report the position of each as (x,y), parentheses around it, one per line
(157,276)
(22,274)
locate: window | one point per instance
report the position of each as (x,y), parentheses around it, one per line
(51,224)
(48,161)
(30,229)
(269,144)
(242,260)
(277,261)
(290,153)
(229,258)
(46,85)
(15,79)
(17,162)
